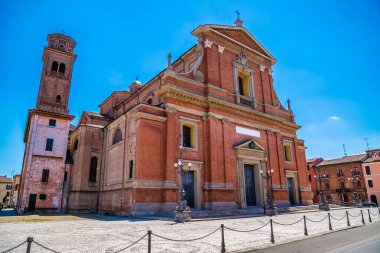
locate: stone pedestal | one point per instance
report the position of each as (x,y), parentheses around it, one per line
(182,212)
(324,206)
(270,208)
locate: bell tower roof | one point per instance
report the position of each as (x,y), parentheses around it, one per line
(61,42)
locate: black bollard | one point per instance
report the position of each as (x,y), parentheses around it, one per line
(304,224)
(223,250)
(330,227)
(271,231)
(149,241)
(369,216)
(29,240)
(348,220)
(361,211)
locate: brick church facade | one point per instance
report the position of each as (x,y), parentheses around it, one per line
(216,101)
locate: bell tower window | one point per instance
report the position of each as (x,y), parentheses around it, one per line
(54,66)
(58,99)
(62,68)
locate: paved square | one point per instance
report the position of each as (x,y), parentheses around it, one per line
(97,233)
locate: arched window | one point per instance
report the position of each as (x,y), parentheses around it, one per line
(93,169)
(58,99)
(54,66)
(62,68)
(118,137)
(75,145)
(149,102)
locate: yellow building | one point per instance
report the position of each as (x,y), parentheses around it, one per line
(5,189)
(15,190)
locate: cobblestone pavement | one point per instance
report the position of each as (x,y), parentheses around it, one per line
(109,234)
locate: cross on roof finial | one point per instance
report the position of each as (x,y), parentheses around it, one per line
(238,21)
(63,32)
(237,13)
(137,77)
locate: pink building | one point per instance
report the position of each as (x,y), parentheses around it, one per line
(371,169)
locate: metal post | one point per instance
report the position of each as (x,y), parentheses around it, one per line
(361,211)
(378,210)
(29,240)
(271,231)
(223,250)
(369,216)
(330,227)
(304,224)
(348,220)
(149,241)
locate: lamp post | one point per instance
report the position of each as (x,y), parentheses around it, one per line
(182,212)
(354,179)
(269,206)
(323,204)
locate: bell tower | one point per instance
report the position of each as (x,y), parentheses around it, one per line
(58,60)
(45,169)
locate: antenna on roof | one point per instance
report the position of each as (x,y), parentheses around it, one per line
(366,141)
(344,150)
(137,77)
(63,32)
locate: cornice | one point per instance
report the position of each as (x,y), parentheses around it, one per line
(144,115)
(173,91)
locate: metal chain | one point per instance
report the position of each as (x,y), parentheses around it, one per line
(15,247)
(235,230)
(317,220)
(131,244)
(354,216)
(344,216)
(375,213)
(287,224)
(42,246)
(183,240)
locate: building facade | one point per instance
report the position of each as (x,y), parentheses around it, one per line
(313,177)
(15,190)
(342,179)
(216,103)
(371,169)
(44,170)
(5,190)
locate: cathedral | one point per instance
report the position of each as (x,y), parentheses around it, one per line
(214,108)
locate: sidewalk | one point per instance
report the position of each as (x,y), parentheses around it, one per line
(110,234)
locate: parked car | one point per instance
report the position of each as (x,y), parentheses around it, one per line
(369,203)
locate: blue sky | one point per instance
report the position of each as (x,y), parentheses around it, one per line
(327,52)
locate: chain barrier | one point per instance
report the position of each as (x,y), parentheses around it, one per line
(13,248)
(377,211)
(183,240)
(246,231)
(287,224)
(42,246)
(317,220)
(353,216)
(131,244)
(344,216)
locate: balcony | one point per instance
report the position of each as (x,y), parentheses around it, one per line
(342,190)
(325,177)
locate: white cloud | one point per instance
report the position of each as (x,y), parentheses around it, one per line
(334,117)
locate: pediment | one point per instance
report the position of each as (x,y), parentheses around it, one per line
(249,144)
(240,35)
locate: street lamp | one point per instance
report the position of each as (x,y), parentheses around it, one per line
(354,179)
(323,204)
(269,206)
(182,212)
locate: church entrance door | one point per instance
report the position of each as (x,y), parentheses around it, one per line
(291,190)
(249,184)
(188,186)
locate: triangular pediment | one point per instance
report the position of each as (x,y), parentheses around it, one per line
(249,144)
(237,35)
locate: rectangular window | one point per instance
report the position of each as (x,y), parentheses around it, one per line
(45,175)
(49,144)
(8,187)
(65,176)
(309,178)
(342,185)
(52,122)
(370,183)
(42,196)
(367,170)
(288,152)
(186,135)
(130,169)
